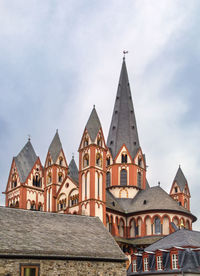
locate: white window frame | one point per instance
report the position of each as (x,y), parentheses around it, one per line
(135,265)
(174,261)
(159,262)
(146,264)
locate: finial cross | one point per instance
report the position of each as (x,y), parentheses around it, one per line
(125,52)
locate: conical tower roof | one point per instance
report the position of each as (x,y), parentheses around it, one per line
(123,128)
(55,147)
(93,125)
(180,179)
(25,161)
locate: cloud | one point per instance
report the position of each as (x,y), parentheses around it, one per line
(58,58)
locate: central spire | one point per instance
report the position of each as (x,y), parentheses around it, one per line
(123,128)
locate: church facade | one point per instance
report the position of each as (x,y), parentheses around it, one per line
(110,183)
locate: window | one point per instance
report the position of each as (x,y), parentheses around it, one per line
(139,161)
(86,160)
(123,177)
(49,162)
(124,158)
(157,225)
(86,185)
(174,261)
(108,161)
(99,143)
(60,177)
(36,181)
(139,179)
(49,178)
(29,270)
(175,189)
(159,263)
(146,264)
(60,161)
(99,160)
(108,179)
(98,185)
(86,142)
(134,265)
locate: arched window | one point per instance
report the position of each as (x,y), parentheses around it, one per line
(121,228)
(99,160)
(17,204)
(124,158)
(86,160)
(86,142)
(157,226)
(60,161)
(14,181)
(99,141)
(139,161)
(98,185)
(49,178)
(49,162)
(108,161)
(33,207)
(185,203)
(60,177)
(108,179)
(139,179)
(40,207)
(123,177)
(36,181)
(148,226)
(132,229)
(86,185)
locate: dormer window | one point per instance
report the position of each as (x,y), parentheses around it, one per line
(86,160)
(99,160)
(124,158)
(60,161)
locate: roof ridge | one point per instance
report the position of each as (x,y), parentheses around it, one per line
(93,124)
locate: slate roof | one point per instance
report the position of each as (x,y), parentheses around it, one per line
(55,147)
(123,128)
(138,241)
(93,124)
(73,170)
(25,161)
(181,238)
(43,234)
(180,179)
(153,198)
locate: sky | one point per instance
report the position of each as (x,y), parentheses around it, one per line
(58,58)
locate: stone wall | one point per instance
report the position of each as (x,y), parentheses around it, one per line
(11,267)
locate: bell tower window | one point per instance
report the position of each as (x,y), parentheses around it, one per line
(175,189)
(99,160)
(86,160)
(49,178)
(60,161)
(124,158)
(139,179)
(139,161)
(108,179)
(99,141)
(86,142)
(123,177)
(108,161)
(60,177)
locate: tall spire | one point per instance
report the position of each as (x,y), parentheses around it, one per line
(123,128)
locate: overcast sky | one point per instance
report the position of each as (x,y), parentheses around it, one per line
(58,58)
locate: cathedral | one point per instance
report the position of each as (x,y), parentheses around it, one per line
(110,181)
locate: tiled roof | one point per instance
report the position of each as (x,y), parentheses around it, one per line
(138,241)
(180,179)
(73,170)
(153,198)
(123,128)
(93,125)
(32,233)
(55,147)
(181,238)
(25,161)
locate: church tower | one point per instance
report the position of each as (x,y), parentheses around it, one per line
(126,166)
(92,160)
(55,171)
(180,190)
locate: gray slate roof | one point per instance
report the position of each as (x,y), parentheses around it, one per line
(123,128)
(156,199)
(31,233)
(181,238)
(25,161)
(73,170)
(180,179)
(55,147)
(93,125)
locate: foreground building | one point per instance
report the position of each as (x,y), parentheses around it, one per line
(176,254)
(110,183)
(38,243)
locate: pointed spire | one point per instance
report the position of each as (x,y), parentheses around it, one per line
(93,125)
(55,147)
(25,161)
(73,170)
(180,179)
(123,128)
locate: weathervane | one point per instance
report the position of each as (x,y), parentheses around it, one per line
(125,52)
